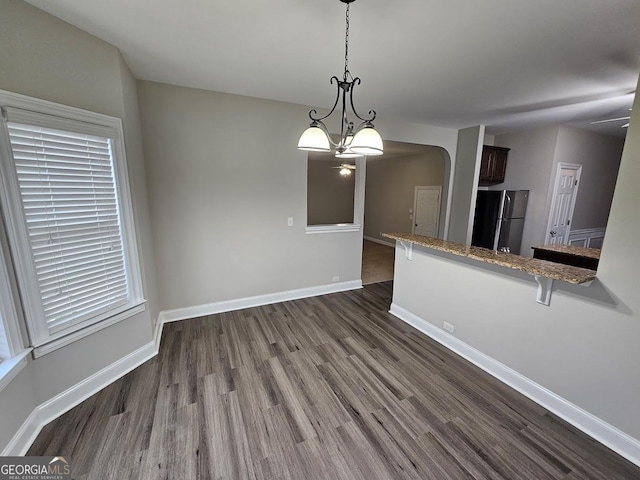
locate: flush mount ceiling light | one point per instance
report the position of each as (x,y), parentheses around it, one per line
(354,141)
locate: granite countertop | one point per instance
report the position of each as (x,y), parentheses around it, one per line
(571,250)
(533,266)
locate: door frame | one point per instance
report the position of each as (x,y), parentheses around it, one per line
(415,206)
(567,166)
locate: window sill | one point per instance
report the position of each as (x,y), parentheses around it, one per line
(11,367)
(335,228)
(77,335)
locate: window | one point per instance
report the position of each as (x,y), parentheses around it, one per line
(69,217)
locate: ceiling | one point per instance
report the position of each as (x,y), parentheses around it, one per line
(508,64)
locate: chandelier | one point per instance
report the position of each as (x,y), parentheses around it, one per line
(353,141)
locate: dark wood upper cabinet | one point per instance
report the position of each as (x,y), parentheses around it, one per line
(494,165)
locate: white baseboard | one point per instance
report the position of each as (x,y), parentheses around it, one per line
(65,401)
(598,429)
(381,242)
(258,300)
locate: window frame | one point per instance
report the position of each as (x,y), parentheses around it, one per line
(8,313)
(16,360)
(10,198)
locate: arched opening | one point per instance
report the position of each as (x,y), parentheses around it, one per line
(406,191)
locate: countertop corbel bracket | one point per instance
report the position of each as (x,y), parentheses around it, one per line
(408,249)
(545,285)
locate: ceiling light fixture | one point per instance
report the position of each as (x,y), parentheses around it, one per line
(353,142)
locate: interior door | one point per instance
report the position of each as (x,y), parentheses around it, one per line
(563,203)
(427,211)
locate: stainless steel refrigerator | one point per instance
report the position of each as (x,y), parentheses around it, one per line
(499,219)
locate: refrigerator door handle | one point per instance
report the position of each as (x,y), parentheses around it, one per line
(508,199)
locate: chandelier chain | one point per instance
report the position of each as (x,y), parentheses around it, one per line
(346,46)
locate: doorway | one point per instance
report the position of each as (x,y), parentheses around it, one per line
(426,211)
(390,201)
(563,203)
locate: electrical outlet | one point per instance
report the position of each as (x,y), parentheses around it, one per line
(290,222)
(448,327)
(335,279)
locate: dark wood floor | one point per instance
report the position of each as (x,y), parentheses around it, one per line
(331,387)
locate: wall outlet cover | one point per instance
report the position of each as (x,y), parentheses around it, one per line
(448,327)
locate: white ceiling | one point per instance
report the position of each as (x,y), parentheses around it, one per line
(508,64)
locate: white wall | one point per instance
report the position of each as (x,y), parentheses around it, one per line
(219,202)
(47,58)
(465,183)
(530,167)
(584,346)
(390,188)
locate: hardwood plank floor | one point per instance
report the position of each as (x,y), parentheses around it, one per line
(331,387)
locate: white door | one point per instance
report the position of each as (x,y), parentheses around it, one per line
(426,211)
(564,200)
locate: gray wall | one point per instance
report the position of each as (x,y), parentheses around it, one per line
(47,58)
(219,203)
(584,346)
(465,183)
(329,195)
(529,167)
(532,165)
(390,188)
(600,157)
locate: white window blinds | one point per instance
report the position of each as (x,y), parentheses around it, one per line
(69,197)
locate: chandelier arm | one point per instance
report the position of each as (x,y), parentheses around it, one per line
(333,109)
(372,113)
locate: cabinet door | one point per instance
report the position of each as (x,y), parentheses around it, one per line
(499,166)
(486,169)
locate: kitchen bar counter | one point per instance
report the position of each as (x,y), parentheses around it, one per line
(569,255)
(537,267)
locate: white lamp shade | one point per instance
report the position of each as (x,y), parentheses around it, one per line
(367,142)
(314,139)
(348,154)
